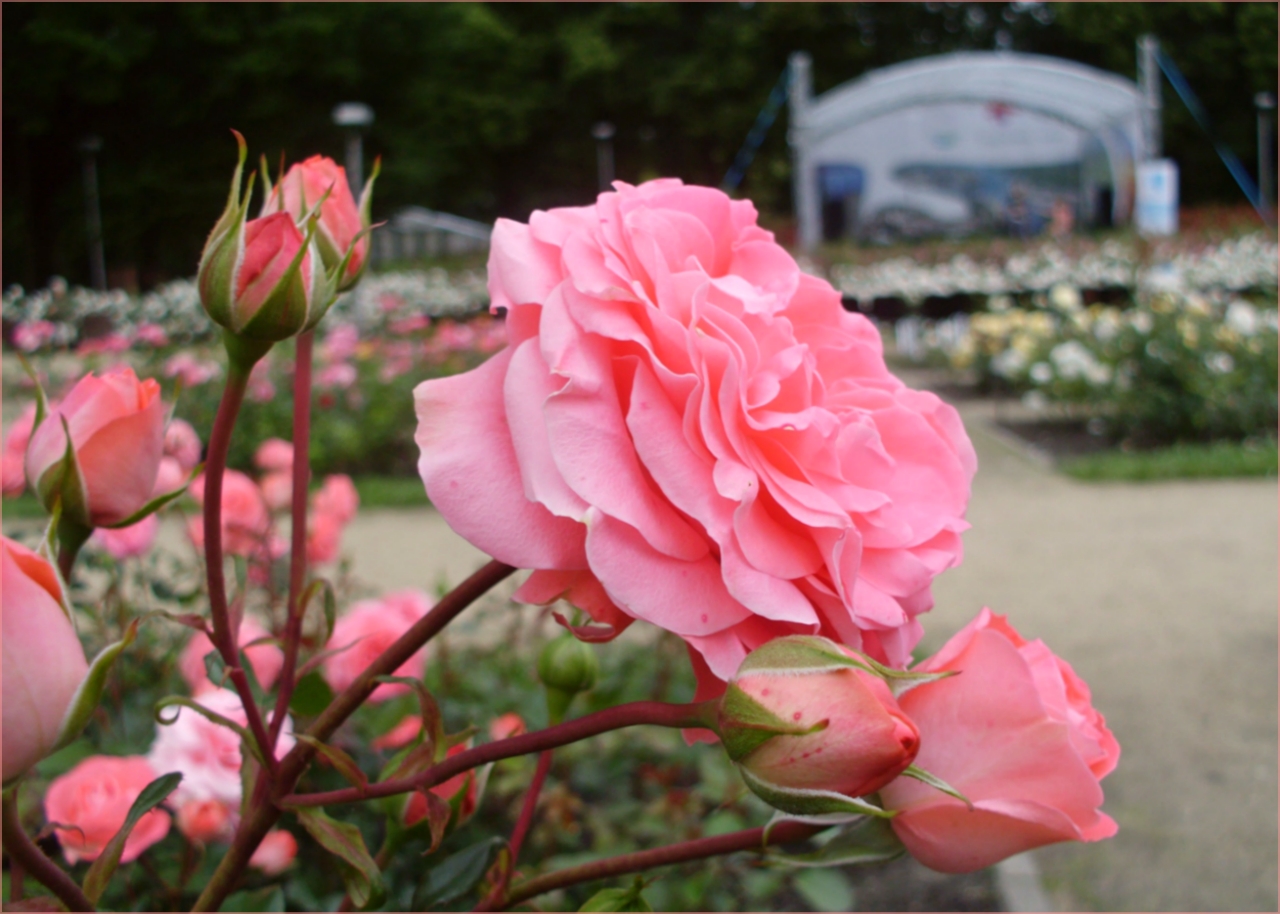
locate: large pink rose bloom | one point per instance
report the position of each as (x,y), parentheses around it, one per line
(687,429)
(117,431)
(44,663)
(92,801)
(1016,733)
(368,629)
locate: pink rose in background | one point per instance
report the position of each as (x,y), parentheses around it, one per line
(110,344)
(324,539)
(117,430)
(274,454)
(301,188)
(32,335)
(336,377)
(412,324)
(182,443)
(507,725)
(337,496)
(401,735)
(169,477)
(190,370)
(340,343)
(128,542)
(1016,733)
(277,489)
(207,754)
(246,523)
(95,797)
(691,431)
(43,664)
(15,451)
(460,791)
(205,820)
(276,852)
(266,659)
(368,629)
(151,334)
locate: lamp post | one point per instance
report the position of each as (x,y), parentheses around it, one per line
(89,148)
(355,118)
(1266,105)
(603,132)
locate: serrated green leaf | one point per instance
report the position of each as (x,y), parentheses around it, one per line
(89,693)
(344,763)
(867,839)
(802,802)
(100,873)
(360,873)
(936,783)
(455,875)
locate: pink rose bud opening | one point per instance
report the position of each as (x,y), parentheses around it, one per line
(276,852)
(95,797)
(340,219)
(117,433)
(837,730)
(44,663)
(1017,734)
(270,246)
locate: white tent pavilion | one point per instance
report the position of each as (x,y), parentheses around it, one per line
(937,138)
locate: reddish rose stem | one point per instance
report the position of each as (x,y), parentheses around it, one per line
(522,828)
(262,815)
(655,713)
(702,848)
(223,638)
(22,850)
(298,508)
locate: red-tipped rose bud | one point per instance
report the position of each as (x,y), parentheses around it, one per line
(342,229)
(263,280)
(810,724)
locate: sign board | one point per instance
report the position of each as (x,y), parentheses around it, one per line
(1157,204)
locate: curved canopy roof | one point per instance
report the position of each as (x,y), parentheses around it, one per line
(1084,96)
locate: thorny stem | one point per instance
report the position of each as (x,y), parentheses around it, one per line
(298,535)
(262,814)
(223,637)
(685,851)
(656,713)
(23,850)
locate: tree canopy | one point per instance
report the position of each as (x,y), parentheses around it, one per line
(485,109)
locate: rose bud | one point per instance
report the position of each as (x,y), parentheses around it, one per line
(44,663)
(91,802)
(506,726)
(116,423)
(1018,735)
(276,852)
(810,725)
(263,280)
(566,667)
(205,820)
(342,225)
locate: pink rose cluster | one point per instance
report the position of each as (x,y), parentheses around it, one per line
(249,510)
(685,428)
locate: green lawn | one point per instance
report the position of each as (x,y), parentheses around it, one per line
(1181,461)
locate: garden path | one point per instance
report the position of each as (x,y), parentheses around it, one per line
(1163,596)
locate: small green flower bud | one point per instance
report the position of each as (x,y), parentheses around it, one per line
(566,667)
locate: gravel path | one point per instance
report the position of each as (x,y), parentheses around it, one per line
(1163,597)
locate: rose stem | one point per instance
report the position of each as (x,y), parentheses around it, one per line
(21,849)
(685,851)
(298,548)
(223,637)
(655,713)
(518,833)
(261,815)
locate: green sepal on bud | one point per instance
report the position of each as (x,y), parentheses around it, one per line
(745,724)
(795,654)
(566,667)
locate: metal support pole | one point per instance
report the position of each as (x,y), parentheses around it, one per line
(1149,82)
(1266,105)
(603,132)
(89,148)
(356,117)
(803,181)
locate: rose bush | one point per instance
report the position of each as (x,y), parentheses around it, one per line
(685,428)
(1017,734)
